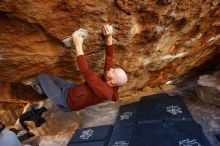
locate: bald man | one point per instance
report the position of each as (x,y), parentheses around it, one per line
(97,88)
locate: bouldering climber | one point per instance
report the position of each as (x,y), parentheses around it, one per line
(97,88)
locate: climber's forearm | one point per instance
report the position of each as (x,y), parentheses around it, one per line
(109,40)
(79,50)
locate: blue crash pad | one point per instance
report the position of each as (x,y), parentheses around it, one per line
(100,133)
(169,134)
(162,108)
(121,136)
(127,115)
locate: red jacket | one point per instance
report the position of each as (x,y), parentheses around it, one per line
(95,89)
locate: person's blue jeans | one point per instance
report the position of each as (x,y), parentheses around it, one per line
(56,90)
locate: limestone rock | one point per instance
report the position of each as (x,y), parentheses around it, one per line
(208,88)
(208,95)
(155,41)
(152,41)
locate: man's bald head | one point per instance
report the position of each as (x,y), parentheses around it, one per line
(116,77)
(121,77)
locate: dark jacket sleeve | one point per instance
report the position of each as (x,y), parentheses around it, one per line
(99,87)
(108,58)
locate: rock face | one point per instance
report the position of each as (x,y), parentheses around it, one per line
(208,88)
(209,95)
(155,41)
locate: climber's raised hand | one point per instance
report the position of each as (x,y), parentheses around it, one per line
(108,31)
(77,39)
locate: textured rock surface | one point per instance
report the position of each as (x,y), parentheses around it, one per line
(207,116)
(156,41)
(209,95)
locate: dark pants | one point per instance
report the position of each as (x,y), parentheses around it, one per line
(32,115)
(56,90)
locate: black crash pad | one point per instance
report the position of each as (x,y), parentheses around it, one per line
(218,137)
(169,134)
(127,115)
(97,143)
(100,133)
(121,136)
(162,108)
